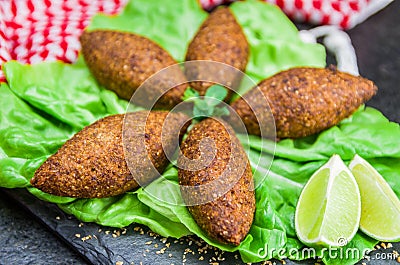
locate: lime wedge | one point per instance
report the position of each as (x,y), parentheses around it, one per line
(329,208)
(380,207)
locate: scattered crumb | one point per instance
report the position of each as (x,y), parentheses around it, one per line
(78,235)
(86,238)
(58,217)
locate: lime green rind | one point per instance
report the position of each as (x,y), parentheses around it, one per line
(329,208)
(380,205)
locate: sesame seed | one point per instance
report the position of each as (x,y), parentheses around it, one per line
(119,263)
(78,235)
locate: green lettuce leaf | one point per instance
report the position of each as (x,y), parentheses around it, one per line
(66,92)
(45,104)
(26,139)
(170,24)
(367,133)
(123,210)
(274,41)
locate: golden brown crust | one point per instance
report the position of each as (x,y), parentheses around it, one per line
(229,217)
(221,39)
(306,100)
(122,61)
(92,163)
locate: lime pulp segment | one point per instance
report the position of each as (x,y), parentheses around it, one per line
(329,208)
(380,207)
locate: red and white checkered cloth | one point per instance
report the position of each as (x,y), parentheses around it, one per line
(47,30)
(44,30)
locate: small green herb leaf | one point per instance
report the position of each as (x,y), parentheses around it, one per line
(221,112)
(208,105)
(190,94)
(217,92)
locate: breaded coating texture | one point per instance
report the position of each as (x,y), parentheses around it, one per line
(92,164)
(122,61)
(221,39)
(306,100)
(226,218)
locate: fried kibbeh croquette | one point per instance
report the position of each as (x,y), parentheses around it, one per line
(227,174)
(221,39)
(122,61)
(93,164)
(306,100)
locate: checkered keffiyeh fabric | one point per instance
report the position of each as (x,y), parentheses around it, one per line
(32,31)
(47,30)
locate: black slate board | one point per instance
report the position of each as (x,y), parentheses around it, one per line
(377,45)
(137,244)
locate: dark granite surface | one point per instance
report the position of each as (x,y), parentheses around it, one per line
(50,237)
(377,44)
